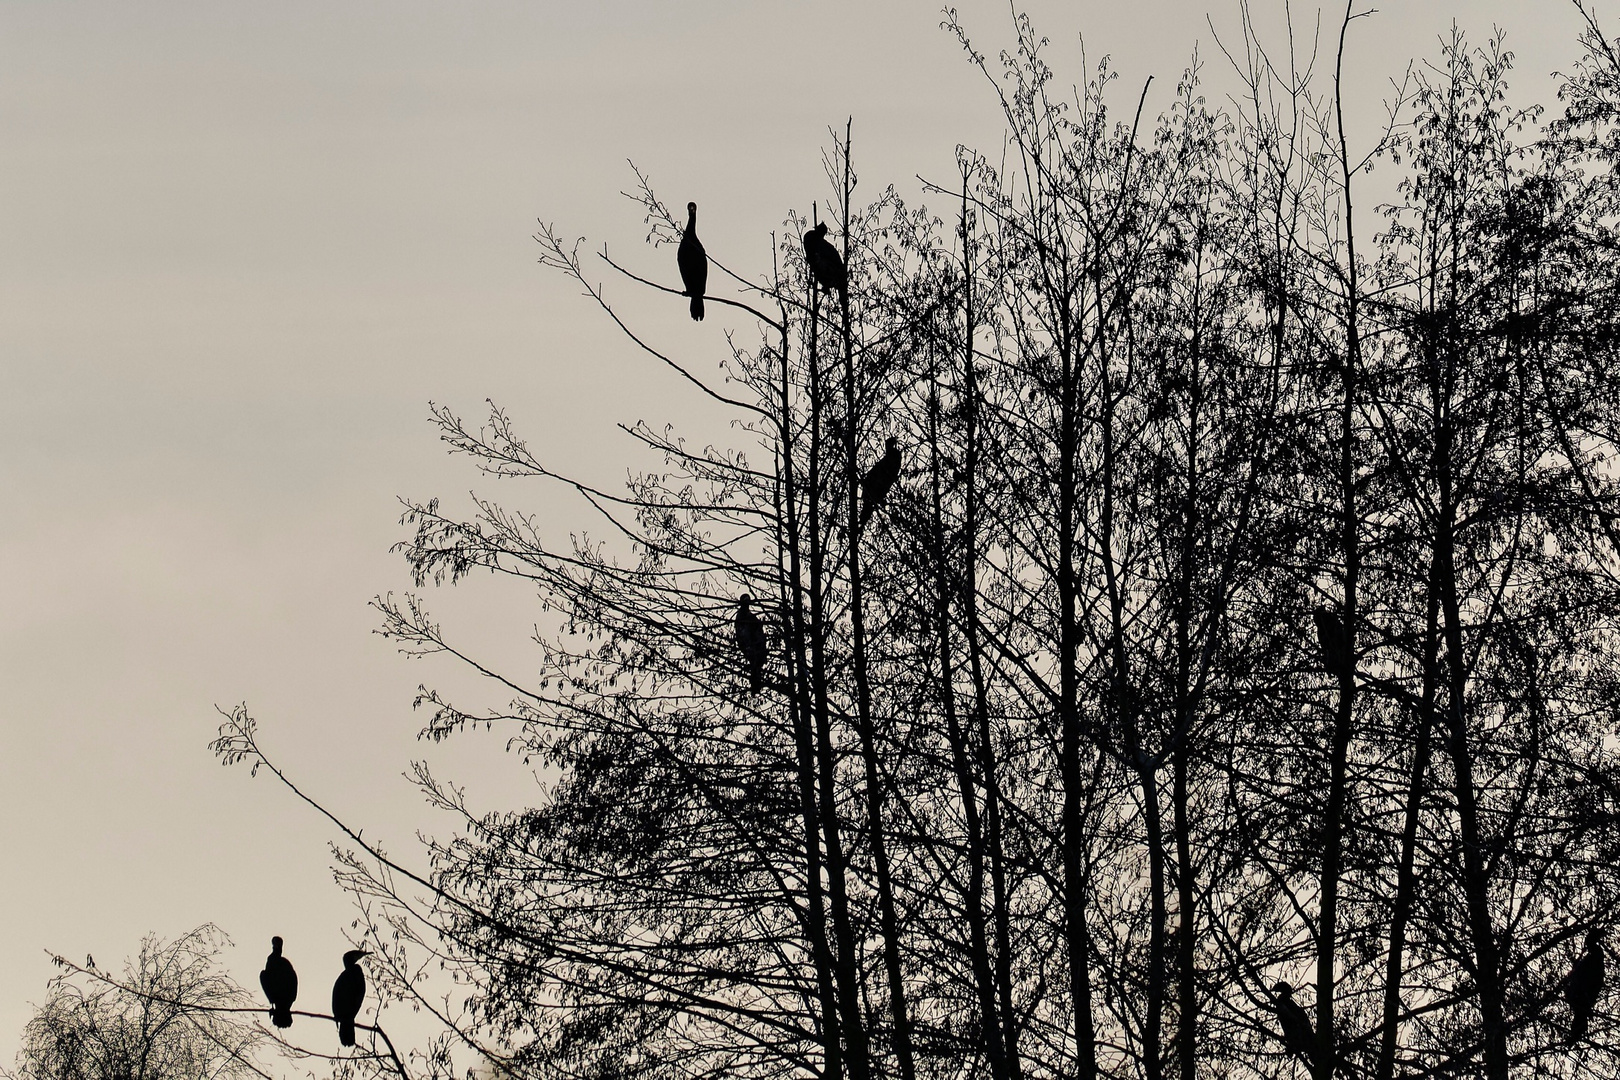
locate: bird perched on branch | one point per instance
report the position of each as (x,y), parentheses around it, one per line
(1584,986)
(751,640)
(1297,1035)
(1333,640)
(280,984)
(348,993)
(879,479)
(825,262)
(694,263)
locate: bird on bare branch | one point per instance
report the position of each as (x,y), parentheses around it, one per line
(280,983)
(1584,986)
(879,479)
(825,262)
(348,993)
(751,640)
(694,263)
(1333,640)
(1297,1035)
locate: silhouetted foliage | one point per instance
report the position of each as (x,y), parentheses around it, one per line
(1246,622)
(156,1025)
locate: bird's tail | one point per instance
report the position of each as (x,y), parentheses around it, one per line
(1577,1028)
(697,309)
(281,1016)
(756,677)
(346,1032)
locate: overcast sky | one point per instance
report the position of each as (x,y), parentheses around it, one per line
(242,246)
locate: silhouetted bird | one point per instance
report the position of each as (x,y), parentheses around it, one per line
(347,994)
(1334,642)
(825,262)
(879,479)
(1297,1034)
(280,984)
(751,640)
(1585,986)
(694,262)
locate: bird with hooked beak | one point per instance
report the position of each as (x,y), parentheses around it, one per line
(693,262)
(348,993)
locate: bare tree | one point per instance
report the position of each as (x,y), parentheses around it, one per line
(159,1021)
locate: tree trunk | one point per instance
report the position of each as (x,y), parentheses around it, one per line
(1406,878)
(887,915)
(801,706)
(859,1056)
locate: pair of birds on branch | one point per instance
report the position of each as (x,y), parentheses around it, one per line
(1582,989)
(826,265)
(875,487)
(280,983)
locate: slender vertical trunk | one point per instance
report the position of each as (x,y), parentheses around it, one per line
(804,744)
(1186,972)
(888,917)
(1074,845)
(1335,824)
(1406,878)
(975,650)
(1153,1035)
(1476,887)
(973,902)
(945,589)
(1186,987)
(858,1058)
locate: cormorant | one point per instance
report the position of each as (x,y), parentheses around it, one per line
(879,479)
(1297,1035)
(347,994)
(825,262)
(280,984)
(751,640)
(1334,642)
(694,262)
(1585,986)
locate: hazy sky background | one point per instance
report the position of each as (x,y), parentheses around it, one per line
(243,245)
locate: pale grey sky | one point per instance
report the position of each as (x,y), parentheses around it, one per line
(242,245)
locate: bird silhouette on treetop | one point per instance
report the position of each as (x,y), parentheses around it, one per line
(824,261)
(1584,986)
(280,983)
(348,993)
(693,262)
(879,479)
(751,640)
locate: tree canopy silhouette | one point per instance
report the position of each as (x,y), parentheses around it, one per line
(1247,621)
